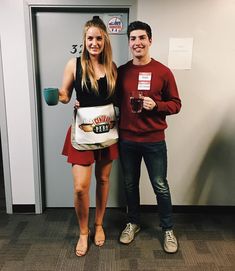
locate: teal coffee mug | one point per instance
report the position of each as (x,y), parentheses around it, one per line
(51,95)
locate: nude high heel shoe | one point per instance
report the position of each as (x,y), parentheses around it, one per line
(99,238)
(82,249)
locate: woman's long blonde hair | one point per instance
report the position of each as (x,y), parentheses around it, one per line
(105,59)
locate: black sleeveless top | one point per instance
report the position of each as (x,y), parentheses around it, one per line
(86,96)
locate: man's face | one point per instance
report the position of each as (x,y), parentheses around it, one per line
(139,43)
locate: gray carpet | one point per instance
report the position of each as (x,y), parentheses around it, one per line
(46,242)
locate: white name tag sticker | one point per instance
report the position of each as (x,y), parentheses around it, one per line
(144,80)
(143,85)
(145,76)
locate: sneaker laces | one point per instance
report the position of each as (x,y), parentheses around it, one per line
(128,228)
(170,236)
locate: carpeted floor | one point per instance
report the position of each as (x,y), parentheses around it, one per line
(46,242)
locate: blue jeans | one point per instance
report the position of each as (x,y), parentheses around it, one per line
(155,158)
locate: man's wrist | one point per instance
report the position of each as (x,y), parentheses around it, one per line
(156,106)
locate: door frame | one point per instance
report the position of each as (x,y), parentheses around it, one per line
(30,7)
(4,142)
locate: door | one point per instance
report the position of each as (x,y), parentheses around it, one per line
(58,38)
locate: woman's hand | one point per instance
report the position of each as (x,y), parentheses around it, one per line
(77,104)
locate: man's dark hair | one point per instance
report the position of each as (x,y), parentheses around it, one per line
(139,25)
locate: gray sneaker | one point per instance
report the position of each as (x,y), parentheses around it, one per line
(170,242)
(128,234)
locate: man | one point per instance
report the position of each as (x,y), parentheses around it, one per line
(142,134)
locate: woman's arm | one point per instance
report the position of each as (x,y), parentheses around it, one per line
(66,90)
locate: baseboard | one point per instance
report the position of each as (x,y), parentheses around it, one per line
(30,208)
(193,208)
(23,208)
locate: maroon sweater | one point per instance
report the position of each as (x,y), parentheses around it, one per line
(147,126)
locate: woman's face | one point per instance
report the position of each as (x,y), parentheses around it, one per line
(94,41)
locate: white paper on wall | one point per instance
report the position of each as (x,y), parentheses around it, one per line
(180,53)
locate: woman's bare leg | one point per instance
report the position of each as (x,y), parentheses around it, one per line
(102,172)
(82,179)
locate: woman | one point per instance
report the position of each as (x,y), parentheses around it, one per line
(93,75)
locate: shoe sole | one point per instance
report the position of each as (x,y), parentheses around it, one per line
(132,239)
(169,252)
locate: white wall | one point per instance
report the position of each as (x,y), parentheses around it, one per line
(200,139)
(201,143)
(17,100)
